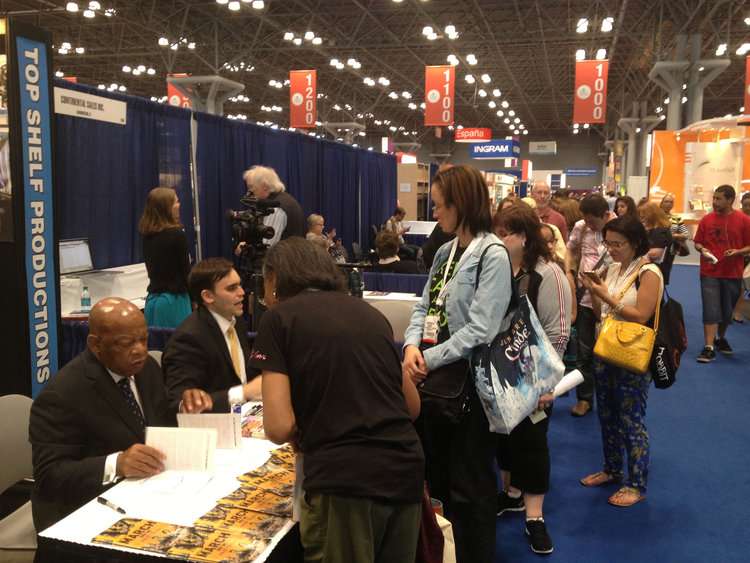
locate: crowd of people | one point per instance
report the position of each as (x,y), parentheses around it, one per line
(333,384)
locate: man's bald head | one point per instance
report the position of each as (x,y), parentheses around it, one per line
(118,335)
(541,194)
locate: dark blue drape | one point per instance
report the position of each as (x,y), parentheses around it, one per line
(104,172)
(378,177)
(334,180)
(398,283)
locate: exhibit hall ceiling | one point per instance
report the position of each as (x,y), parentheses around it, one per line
(515,59)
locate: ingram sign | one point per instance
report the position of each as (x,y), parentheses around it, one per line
(496,149)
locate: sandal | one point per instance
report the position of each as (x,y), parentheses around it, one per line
(596,479)
(737,319)
(627,496)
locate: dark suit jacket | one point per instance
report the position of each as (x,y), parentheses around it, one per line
(197,357)
(78,419)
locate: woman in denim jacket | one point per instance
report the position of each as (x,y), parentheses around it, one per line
(456,314)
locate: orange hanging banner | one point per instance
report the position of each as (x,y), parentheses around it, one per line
(747,86)
(439,87)
(590,103)
(303,98)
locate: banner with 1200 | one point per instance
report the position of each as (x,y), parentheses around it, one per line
(302,98)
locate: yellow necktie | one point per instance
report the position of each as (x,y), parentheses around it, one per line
(234,349)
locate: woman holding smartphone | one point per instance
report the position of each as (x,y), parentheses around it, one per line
(457,313)
(630,292)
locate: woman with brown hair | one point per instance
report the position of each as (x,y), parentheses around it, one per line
(466,296)
(167,259)
(659,238)
(625,205)
(571,210)
(523,455)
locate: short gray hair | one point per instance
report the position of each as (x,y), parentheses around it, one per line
(264,176)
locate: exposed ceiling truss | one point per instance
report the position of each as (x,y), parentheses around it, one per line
(527,47)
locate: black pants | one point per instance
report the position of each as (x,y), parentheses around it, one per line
(459,468)
(525,453)
(586,327)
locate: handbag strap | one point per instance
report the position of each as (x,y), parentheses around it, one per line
(631,282)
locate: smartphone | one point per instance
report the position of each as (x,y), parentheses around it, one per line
(593,276)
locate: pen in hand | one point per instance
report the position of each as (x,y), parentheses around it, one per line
(112,505)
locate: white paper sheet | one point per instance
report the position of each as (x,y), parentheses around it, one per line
(567,383)
(228,427)
(187,449)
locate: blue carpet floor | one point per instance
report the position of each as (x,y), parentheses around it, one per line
(699,484)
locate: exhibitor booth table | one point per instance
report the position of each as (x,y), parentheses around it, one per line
(175,501)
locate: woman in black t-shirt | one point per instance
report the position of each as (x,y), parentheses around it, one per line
(332,384)
(167,260)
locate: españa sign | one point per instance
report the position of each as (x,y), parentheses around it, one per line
(506,148)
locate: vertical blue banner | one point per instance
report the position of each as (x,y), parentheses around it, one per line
(36,133)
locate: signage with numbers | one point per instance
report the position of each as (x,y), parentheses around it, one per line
(590,104)
(439,86)
(303,98)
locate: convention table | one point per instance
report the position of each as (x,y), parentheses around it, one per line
(129,282)
(70,538)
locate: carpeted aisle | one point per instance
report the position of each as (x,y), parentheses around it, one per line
(699,487)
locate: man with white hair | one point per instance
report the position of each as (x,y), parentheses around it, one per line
(286,220)
(541,194)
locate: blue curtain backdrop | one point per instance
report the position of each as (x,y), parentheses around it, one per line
(104,172)
(378,181)
(325,177)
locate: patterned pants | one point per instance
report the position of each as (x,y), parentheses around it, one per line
(621,400)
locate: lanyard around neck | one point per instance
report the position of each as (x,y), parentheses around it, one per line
(441,296)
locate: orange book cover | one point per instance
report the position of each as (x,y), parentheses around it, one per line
(220,545)
(283,457)
(271,478)
(260,500)
(253,524)
(146,535)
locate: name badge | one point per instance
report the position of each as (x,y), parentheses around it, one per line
(431,329)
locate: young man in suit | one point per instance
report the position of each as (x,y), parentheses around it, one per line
(87,426)
(210,350)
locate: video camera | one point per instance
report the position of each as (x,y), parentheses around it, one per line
(248,227)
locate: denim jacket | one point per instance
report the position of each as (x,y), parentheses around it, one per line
(473,317)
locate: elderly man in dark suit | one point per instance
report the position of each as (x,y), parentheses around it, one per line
(87,426)
(210,350)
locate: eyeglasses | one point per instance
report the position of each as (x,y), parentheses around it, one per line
(615,245)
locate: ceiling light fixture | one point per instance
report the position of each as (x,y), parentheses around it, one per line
(607,24)
(469,78)
(88,13)
(601,54)
(288,36)
(583,25)
(486,78)
(258,4)
(234,6)
(580,55)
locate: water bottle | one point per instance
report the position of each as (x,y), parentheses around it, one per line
(85,299)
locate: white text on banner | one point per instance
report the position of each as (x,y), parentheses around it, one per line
(439,87)
(590,103)
(303,98)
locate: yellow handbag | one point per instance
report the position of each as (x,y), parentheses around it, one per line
(625,344)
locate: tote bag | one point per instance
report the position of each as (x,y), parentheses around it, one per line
(518,366)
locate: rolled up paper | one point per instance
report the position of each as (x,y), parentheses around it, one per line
(567,383)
